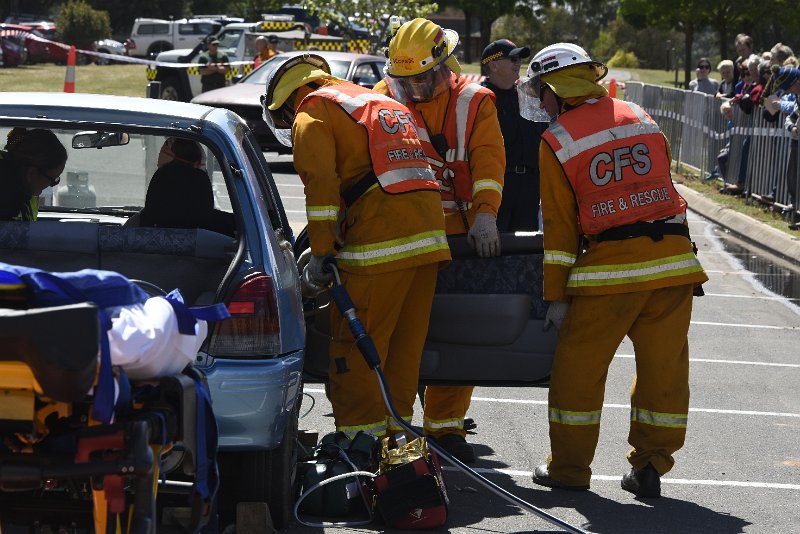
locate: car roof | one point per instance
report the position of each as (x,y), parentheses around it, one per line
(333,54)
(115,109)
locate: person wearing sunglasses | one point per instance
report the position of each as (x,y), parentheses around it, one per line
(702,83)
(519,209)
(618,261)
(372,202)
(32,161)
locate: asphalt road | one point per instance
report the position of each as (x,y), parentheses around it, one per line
(740,468)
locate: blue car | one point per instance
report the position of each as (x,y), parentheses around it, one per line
(253,362)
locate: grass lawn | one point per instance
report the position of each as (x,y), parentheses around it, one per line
(124,80)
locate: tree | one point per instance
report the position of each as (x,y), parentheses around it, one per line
(80,23)
(688,16)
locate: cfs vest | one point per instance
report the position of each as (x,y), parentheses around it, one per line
(616,161)
(448,152)
(398,158)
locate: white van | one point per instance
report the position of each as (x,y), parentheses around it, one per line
(149,37)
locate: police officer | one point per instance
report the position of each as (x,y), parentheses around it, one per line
(372,201)
(605,168)
(519,210)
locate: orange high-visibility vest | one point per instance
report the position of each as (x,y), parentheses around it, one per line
(452,170)
(398,157)
(615,159)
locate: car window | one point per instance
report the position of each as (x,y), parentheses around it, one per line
(153,29)
(115,178)
(368,74)
(229,38)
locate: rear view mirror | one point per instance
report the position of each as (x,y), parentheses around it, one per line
(99,139)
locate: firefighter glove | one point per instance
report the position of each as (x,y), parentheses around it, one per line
(315,278)
(483,236)
(556,313)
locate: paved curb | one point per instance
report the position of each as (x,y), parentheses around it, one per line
(756,232)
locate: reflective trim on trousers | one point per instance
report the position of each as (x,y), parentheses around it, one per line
(322,213)
(566,417)
(432,425)
(376,429)
(394,426)
(628,273)
(559,257)
(669,420)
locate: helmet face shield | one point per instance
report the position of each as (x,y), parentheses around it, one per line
(279,121)
(422,87)
(529,93)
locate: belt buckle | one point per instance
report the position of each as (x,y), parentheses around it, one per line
(519,169)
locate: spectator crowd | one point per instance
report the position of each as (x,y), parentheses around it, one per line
(767,84)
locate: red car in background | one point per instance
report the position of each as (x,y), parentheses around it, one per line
(13,45)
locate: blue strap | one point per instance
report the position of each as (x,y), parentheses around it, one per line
(206,482)
(187,317)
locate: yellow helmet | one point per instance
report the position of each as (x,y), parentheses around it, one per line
(419,46)
(291,74)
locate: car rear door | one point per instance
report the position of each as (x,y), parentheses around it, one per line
(486,324)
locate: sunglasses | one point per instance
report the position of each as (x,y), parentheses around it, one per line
(54,181)
(704,67)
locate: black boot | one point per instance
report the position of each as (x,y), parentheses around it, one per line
(645,482)
(457,446)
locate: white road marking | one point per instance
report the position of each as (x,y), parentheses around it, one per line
(708,360)
(289,185)
(622,406)
(612,478)
(740,325)
(284,197)
(755,297)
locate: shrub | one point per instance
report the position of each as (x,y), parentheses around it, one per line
(79,23)
(623,60)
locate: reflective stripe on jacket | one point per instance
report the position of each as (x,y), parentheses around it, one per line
(603,267)
(613,155)
(398,158)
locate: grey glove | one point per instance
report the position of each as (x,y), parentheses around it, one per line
(314,279)
(556,313)
(483,235)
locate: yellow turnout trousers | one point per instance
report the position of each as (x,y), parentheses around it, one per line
(657,322)
(445,408)
(395,308)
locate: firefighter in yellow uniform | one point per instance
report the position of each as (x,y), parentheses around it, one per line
(372,202)
(461,136)
(618,261)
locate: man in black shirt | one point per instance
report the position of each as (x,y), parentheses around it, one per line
(519,210)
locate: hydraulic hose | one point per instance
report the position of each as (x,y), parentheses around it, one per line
(370,353)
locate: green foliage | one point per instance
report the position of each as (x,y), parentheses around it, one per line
(80,23)
(652,46)
(249,9)
(372,14)
(623,60)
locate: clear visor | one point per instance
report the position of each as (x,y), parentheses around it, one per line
(422,87)
(280,122)
(529,93)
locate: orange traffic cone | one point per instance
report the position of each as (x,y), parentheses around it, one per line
(69,80)
(612,88)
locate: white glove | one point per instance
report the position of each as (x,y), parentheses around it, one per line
(556,313)
(483,236)
(315,280)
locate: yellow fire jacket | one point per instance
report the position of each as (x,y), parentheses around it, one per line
(605,267)
(381,232)
(487,155)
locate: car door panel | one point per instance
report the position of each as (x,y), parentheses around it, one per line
(486,322)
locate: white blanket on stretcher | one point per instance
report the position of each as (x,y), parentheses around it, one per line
(145,341)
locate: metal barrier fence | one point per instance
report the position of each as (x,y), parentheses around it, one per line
(758,151)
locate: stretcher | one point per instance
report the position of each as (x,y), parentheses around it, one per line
(68,462)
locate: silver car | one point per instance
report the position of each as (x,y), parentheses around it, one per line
(253,361)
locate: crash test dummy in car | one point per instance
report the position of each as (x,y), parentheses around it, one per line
(372,203)
(464,144)
(618,262)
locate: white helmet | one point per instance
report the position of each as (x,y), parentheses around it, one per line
(551,59)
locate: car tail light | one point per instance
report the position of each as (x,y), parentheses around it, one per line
(253,330)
